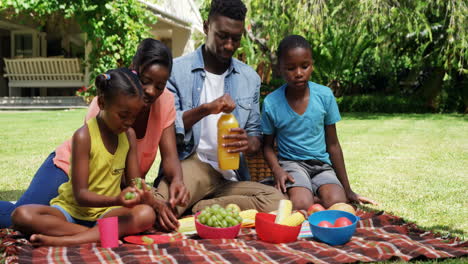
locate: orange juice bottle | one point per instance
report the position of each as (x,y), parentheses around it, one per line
(226,160)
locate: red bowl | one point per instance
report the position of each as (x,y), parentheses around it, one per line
(209,232)
(270,232)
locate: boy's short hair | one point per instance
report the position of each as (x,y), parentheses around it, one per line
(291,42)
(233,9)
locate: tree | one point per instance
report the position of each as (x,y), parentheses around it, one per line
(113,27)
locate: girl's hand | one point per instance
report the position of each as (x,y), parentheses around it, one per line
(281,177)
(166,218)
(126,199)
(178,194)
(356,198)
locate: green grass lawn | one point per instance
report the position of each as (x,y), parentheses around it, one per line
(415,166)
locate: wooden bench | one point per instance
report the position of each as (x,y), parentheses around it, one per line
(44,73)
(258,168)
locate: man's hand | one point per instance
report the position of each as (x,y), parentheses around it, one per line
(223,104)
(238,140)
(356,198)
(178,194)
(281,177)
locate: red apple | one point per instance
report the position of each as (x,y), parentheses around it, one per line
(325,224)
(315,208)
(342,221)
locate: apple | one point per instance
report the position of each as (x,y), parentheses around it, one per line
(343,207)
(325,224)
(315,208)
(342,221)
(233,207)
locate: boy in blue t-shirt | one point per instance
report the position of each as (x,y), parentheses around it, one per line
(301,115)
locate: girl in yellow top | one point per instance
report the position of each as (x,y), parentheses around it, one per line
(103,151)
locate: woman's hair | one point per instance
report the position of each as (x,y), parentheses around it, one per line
(149,52)
(233,9)
(116,82)
(291,42)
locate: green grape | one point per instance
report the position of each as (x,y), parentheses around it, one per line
(130,196)
(229,220)
(223,213)
(238,218)
(147,240)
(224,223)
(137,182)
(202,219)
(209,222)
(215,206)
(233,222)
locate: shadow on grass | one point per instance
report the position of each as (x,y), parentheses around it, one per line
(12,195)
(380,116)
(440,230)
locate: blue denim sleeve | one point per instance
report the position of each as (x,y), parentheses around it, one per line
(253,124)
(182,136)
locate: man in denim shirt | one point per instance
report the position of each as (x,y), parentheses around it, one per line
(206,83)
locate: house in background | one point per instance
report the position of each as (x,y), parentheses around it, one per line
(49,63)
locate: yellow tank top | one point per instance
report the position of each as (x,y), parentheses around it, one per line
(105,173)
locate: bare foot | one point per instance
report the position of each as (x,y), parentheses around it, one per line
(38,240)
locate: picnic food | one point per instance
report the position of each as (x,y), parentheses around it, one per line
(294,219)
(147,240)
(315,208)
(227,160)
(186,225)
(234,207)
(217,216)
(137,182)
(342,221)
(343,207)
(248,217)
(130,196)
(325,224)
(284,210)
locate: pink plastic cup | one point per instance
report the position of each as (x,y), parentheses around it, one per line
(109,231)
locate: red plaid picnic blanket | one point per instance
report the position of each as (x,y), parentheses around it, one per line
(378,237)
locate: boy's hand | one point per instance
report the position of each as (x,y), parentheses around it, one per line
(356,198)
(133,199)
(281,177)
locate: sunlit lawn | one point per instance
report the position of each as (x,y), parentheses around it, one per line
(415,166)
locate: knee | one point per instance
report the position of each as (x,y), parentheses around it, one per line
(270,200)
(144,216)
(301,203)
(21,216)
(333,198)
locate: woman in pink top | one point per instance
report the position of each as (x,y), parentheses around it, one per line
(154,127)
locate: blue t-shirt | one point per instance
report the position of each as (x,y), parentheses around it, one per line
(300,137)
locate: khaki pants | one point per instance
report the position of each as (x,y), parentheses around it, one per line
(207,187)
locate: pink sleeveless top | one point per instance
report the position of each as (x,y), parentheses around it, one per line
(162,115)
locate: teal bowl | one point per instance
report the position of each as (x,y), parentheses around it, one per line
(332,235)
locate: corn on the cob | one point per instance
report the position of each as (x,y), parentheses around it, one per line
(186,225)
(248,214)
(284,210)
(293,220)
